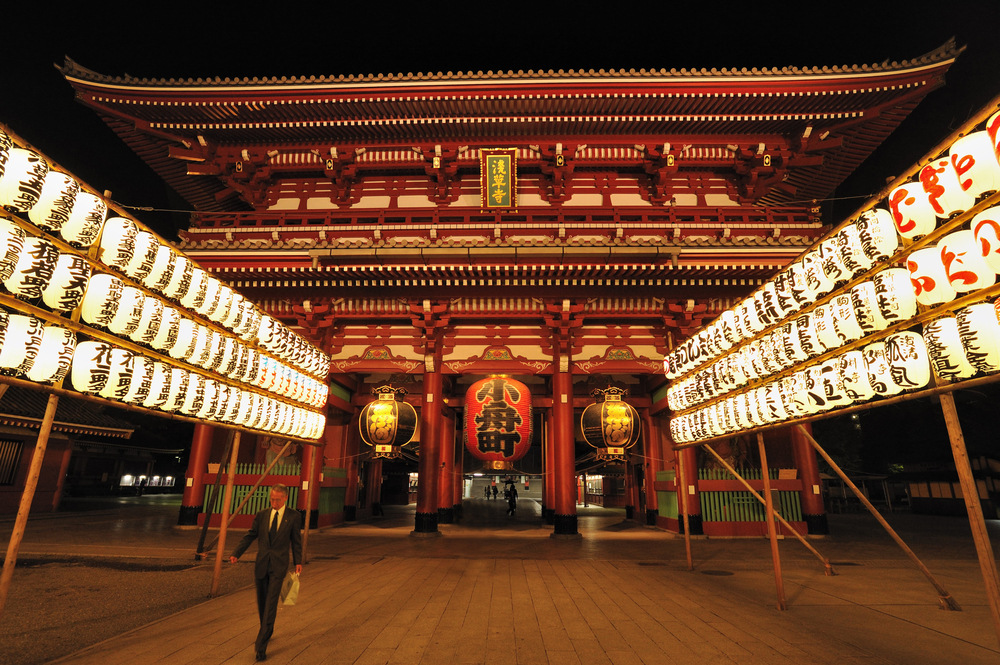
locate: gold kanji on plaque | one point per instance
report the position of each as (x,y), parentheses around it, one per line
(498,177)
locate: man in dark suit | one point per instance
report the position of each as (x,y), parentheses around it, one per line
(277,530)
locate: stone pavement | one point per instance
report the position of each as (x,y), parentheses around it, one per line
(499,590)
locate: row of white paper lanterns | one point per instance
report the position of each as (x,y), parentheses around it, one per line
(55,203)
(956,347)
(48,353)
(32,268)
(963,261)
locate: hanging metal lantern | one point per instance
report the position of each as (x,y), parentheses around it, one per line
(387,423)
(498,421)
(610,425)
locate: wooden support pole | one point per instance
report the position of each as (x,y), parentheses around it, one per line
(945,599)
(223,525)
(772,531)
(682,492)
(27,496)
(987,563)
(311,475)
(827,567)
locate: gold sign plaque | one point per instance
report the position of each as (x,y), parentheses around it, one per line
(498,178)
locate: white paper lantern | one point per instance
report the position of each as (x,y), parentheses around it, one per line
(986,230)
(212,292)
(22,179)
(233,406)
(908,360)
(963,262)
(141,382)
(117,245)
(144,256)
(852,252)
(180,281)
(149,322)
(944,346)
(854,375)
(826,331)
(6,144)
(944,191)
(210,401)
(199,354)
(65,289)
(34,268)
(911,212)
(877,234)
(815,392)
(91,368)
(226,299)
(833,264)
(194,398)
(808,338)
(54,357)
(169,330)
(129,311)
(976,163)
(180,379)
(11,244)
(187,338)
(120,376)
(159,386)
(894,293)
(85,221)
(55,202)
(980,334)
(163,269)
(879,370)
(195,295)
(866,307)
(21,340)
(928,276)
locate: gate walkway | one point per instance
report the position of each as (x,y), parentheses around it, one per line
(498,589)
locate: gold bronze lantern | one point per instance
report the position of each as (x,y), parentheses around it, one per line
(387,423)
(610,425)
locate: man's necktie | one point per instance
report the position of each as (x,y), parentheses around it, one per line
(274,527)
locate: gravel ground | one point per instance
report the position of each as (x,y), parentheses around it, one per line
(58,606)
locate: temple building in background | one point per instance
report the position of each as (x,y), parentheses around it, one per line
(561,229)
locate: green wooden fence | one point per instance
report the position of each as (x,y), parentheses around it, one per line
(260,499)
(740,505)
(666,502)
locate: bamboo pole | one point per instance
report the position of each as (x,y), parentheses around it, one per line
(945,599)
(772,532)
(682,491)
(827,566)
(987,563)
(246,499)
(223,525)
(27,496)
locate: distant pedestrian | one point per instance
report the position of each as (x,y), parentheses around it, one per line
(486,492)
(495,492)
(511,501)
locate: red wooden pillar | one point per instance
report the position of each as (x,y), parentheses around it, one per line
(350,463)
(652,457)
(194,489)
(459,477)
(64,458)
(563,456)
(689,458)
(446,473)
(813,510)
(630,490)
(428,472)
(548,496)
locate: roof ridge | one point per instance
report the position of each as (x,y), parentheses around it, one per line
(948,50)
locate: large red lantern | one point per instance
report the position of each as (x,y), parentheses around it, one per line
(388,423)
(610,425)
(498,421)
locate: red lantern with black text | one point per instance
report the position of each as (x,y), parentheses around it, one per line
(610,425)
(388,423)
(498,421)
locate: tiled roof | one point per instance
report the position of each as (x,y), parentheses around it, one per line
(25,408)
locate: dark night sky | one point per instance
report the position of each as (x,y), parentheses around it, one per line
(208,39)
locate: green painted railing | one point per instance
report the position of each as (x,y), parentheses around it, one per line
(257,503)
(741,506)
(666,502)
